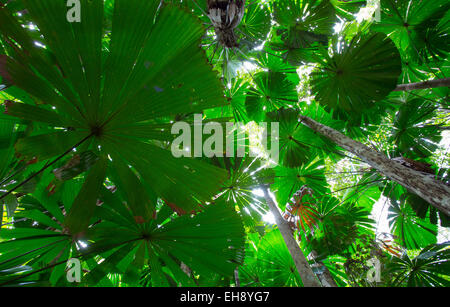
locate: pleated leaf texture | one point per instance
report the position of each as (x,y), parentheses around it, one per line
(120,89)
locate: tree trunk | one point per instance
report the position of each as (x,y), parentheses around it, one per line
(304,269)
(236,277)
(423,85)
(325,277)
(433,191)
(186,269)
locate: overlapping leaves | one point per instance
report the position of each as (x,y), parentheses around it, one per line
(125,243)
(357,75)
(145,77)
(419,28)
(428,269)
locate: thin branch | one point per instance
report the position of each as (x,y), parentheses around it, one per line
(46,166)
(13,175)
(64,261)
(34,250)
(352,172)
(423,85)
(356,185)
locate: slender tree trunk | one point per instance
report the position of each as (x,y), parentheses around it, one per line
(304,269)
(325,277)
(186,269)
(433,191)
(423,85)
(236,277)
